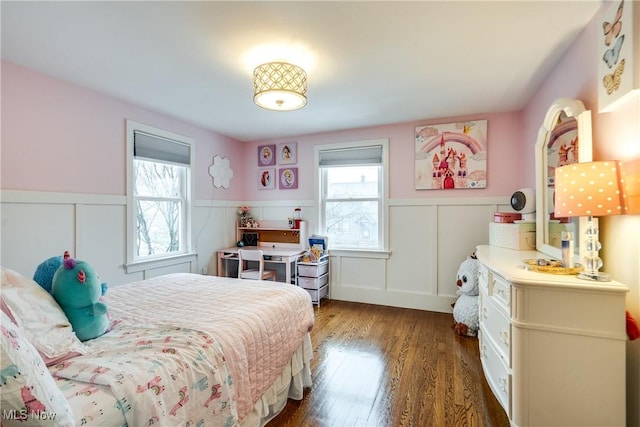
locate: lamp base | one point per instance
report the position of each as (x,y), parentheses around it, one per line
(598,276)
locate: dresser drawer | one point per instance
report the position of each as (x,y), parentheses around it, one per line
(497,329)
(500,292)
(495,371)
(483,279)
(313,282)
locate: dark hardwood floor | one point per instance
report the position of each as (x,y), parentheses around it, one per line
(383,366)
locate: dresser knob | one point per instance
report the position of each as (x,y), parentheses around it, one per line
(504,337)
(503,384)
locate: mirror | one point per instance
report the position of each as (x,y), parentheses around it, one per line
(563,138)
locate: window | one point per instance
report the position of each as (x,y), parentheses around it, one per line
(352,193)
(158,195)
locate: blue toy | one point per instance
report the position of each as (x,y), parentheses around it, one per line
(45,271)
(77,289)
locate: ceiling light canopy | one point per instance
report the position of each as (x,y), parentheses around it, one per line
(279,86)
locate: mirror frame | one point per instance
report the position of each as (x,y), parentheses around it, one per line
(572,108)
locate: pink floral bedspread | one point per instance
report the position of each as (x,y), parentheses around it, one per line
(159,376)
(259,325)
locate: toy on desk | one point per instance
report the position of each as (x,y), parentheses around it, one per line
(312,255)
(465,309)
(317,247)
(77,289)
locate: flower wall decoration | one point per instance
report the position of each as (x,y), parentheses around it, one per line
(220,171)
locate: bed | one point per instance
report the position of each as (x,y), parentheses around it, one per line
(183,349)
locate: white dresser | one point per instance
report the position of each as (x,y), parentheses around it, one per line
(552,346)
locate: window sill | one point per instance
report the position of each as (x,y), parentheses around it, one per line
(360,253)
(150,264)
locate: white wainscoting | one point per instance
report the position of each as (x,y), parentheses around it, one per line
(39,225)
(428,239)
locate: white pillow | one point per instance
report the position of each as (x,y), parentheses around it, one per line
(30,396)
(41,319)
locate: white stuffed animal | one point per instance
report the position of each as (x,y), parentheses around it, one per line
(465,309)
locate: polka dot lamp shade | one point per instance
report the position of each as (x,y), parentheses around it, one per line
(589,189)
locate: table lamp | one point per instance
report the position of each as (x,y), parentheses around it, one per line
(590,189)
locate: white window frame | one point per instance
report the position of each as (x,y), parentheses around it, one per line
(383,211)
(186,254)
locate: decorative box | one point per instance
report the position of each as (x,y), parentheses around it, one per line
(518,236)
(506,217)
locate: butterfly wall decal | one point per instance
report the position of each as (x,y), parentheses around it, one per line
(611,82)
(612,30)
(611,55)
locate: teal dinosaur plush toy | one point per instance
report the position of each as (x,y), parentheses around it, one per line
(47,268)
(77,289)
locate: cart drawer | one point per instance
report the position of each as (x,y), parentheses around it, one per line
(313,282)
(313,270)
(317,294)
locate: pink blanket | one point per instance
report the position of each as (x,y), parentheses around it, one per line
(258,324)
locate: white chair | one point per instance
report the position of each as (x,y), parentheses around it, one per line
(260,273)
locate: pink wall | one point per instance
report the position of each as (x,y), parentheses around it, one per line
(505,157)
(61,137)
(572,78)
(615,135)
(79,146)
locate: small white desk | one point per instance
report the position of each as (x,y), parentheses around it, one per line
(281,255)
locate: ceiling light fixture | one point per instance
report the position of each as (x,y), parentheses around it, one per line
(279,86)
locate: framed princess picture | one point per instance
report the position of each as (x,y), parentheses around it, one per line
(288,178)
(266,179)
(266,155)
(451,155)
(287,153)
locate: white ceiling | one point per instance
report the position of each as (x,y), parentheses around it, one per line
(368,63)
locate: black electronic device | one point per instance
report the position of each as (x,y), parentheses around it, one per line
(250,239)
(524,201)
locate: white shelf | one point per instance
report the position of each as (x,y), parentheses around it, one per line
(277,234)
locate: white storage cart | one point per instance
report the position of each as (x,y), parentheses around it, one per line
(314,277)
